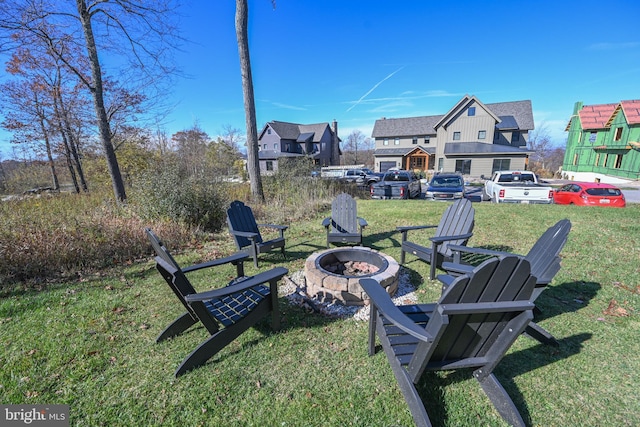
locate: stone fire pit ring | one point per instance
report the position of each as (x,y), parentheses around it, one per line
(325,285)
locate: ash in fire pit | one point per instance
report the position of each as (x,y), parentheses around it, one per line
(334,274)
(351,268)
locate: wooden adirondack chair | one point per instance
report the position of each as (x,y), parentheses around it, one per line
(473,325)
(344,225)
(246,233)
(225,312)
(455,228)
(543,257)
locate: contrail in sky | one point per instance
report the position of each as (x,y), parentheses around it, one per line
(373,88)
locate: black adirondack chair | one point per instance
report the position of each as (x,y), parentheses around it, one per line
(473,325)
(225,312)
(344,225)
(543,257)
(246,233)
(455,228)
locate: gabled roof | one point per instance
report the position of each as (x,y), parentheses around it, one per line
(593,117)
(467,148)
(293,131)
(462,105)
(517,115)
(631,110)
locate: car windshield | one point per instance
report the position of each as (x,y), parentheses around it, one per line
(603,191)
(451,181)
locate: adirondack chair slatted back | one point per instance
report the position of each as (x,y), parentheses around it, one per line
(171,271)
(548,246)
(463,336)
(240,218)
(344,214)
(457,219)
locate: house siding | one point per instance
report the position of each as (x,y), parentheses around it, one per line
(597,152)
(517,117)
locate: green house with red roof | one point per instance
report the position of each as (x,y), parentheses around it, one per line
(603,144)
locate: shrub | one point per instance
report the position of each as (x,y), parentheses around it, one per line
(164,192)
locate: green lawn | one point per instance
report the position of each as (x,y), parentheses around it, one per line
(90,343)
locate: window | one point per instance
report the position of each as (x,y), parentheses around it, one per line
(482,134)
(385,141)
(463,166)
(618,136)
(275,146)
(575,159)
(396,141)
(415,140)
(264,146)
(604,163)
(515,137)
(501,165)
(593,136)
(618,163)
(456,136)
(426,140)
(597,159)
(471,111)
(269,165)
(269,131)
(440,164)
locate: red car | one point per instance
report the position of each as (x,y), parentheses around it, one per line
(589,194)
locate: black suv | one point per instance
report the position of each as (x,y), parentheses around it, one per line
(445,186)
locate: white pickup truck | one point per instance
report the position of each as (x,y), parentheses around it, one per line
(516,187)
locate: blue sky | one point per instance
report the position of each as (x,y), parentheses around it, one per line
(357,61)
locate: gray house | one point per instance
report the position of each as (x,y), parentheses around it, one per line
(472,138)
(279,140)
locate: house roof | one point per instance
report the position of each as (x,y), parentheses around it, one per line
(510,115)
(462,105)
(631,110)
(594,116)
(295,131)
(467,148)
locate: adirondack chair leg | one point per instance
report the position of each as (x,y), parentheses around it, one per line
(500,399)
(404,239)
(178,326)
(540,334)
(410,393)
(220,339)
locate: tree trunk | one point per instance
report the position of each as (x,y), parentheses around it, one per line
(98,100)
(253,161)
(52,164)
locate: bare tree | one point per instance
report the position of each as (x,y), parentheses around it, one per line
(143,27)
(540,143)
(358,149)
(253,161)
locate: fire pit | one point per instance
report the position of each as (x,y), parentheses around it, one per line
(334,274)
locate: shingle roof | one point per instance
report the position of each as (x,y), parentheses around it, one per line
(518,113)
(595,116)
(631,111)
(466,148)
(292,131)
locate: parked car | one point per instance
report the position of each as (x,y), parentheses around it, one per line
(397,184)
(516,187)
(445,186)
(589,194)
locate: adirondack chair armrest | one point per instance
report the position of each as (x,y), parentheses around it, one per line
(485,307)
(276,226)
(235,259)
(382,302)
(405,228)
(442,239)
(363,222)
(247,234)
(272,275)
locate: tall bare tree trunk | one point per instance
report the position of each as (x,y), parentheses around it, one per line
(253,162)
(98,100)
